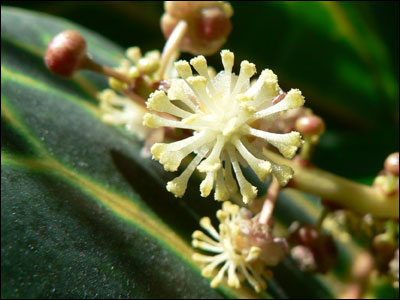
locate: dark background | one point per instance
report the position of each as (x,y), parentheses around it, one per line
(343,56)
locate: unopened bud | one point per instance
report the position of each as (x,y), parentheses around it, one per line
(310,125)
(66,53)
(312,250)
(394,266)
(392,164)
(208,24)
(384,247)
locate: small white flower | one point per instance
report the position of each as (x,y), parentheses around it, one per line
(240,247)
(120,110)
(136,65)
(222,112)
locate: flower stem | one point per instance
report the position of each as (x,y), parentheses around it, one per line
(346,193)
(269,203)
(91,65)
(171,48)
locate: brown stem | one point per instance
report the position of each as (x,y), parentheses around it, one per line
(91,65)
(135,97)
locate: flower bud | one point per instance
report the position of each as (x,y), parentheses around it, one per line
(383,247)
(310,125)
(394,266)
(66,53)
(392,164)
(363,265)
(208,24)
(312,250)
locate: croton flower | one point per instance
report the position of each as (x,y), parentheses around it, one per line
(243,248)
(223,113)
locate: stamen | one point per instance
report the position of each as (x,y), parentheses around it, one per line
(178,185)
(177,91)
(282,173)
(246,71)
(207,184)
(200,235)
(206,224)
(155,121)
(217,279)
(233,280)
(261,167)
(202,258)
(207,247)
(221,192)
(200,65)
(227,60)
(287,143)
(265,89)
(248,191)
(183,68)
(230,181)
(213,161)
(293,99)
(208,270)
(254,253)
(158,101)
(198,85)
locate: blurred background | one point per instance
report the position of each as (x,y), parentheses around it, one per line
(343,56)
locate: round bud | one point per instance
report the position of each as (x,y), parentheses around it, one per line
(310,125)
(66,53)
(392,164)
(208,24)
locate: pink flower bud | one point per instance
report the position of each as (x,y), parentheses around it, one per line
(310,125)
(66,53)
(392,163)
(208,24)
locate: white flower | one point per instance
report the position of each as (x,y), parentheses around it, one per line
(120,110)
(243,247)
(222,112)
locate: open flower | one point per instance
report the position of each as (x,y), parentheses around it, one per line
(124,104)
(120,110)
(222,112)
(242,246)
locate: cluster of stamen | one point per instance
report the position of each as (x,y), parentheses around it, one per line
(221,112)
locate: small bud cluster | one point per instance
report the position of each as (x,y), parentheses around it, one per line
(311,249)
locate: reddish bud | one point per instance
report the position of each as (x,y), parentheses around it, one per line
(66,53)
(392,164)
(310,125)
